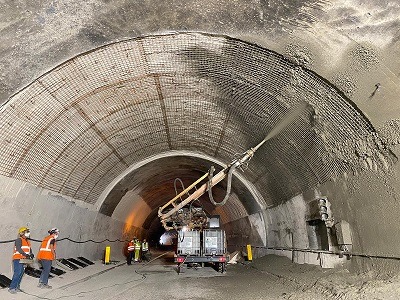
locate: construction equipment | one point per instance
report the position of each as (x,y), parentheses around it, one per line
(197,242)
(174,216)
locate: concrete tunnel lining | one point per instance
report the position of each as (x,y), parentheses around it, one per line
(351,46)
(184,163)
(127,197)
(111,108)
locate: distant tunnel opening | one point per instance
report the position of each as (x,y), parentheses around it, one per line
(137,196)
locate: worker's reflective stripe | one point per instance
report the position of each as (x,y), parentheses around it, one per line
(45,250)
(131,246)
(26,247)
(145,246)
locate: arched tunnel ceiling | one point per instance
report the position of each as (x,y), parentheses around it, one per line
(156,182)
(79,126)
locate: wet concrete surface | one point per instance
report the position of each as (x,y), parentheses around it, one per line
(270,277)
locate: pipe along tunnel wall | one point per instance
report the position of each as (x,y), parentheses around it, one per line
(75,129)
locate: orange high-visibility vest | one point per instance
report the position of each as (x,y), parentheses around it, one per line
(131,246)
(26,247)
(45,250)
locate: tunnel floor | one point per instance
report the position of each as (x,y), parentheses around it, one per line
(270,277)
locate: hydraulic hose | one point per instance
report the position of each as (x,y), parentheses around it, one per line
(228,189)
(183,187)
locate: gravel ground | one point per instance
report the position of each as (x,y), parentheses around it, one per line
(270,277)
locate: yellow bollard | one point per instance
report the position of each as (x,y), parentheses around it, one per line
(249,253)
(107,255)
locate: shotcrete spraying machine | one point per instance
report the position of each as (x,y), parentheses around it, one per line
(200,237)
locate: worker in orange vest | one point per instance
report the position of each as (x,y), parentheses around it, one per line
(46,255)
(131,250)
(22,250)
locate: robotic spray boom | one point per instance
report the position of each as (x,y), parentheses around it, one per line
(167,211)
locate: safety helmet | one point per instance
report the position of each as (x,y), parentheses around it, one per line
(53,230)
(23,229)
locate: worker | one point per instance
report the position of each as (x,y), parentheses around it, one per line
(22,250)
(46,255)
(131,250)
(137,249)
(145,250)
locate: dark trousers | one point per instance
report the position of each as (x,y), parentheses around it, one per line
(46,265)
(145,255)
(129,257)
(18,273)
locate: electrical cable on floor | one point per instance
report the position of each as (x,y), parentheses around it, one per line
(136,271)
(321,252)
(96,290)
(84,292)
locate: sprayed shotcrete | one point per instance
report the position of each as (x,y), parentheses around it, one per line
(201,239)
(172,215)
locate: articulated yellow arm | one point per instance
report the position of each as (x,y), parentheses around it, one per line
(213,180)
(200,191)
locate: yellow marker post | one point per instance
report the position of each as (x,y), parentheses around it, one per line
(107,255)
(249,253)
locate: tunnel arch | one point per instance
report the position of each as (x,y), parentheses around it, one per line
(182,161)
(126,198)
(79,126)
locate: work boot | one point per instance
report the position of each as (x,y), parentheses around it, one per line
(12,291)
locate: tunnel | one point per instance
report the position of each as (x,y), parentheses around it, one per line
(105,104)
